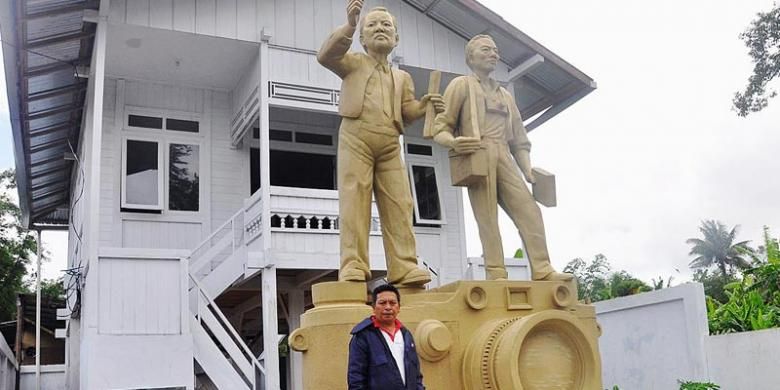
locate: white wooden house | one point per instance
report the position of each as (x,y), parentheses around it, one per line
(189,146)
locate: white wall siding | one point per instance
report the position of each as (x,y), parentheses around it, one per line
(229,167)
(109,158)
(223,170)
(140,296)
(142,337)
(144,233)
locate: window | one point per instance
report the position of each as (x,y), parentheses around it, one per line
(423,150)
(161,162)
(295,169)
(147,122)
(425,191)
(141,175)
(183,177)
(182,125)
(422,167)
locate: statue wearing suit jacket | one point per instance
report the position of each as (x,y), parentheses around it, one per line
(376,100)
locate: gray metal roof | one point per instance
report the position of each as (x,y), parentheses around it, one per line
(44,41)
(547,89)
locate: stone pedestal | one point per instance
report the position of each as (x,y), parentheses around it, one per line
(507,335)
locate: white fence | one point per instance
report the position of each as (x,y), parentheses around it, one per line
(745,361)
(52,377)
(8,366)
(651,340)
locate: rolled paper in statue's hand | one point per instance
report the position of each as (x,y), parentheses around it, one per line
(434,85)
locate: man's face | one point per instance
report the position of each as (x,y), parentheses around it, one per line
(484,56)
(378,33)
(386,307)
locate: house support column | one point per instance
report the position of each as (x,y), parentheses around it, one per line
(270,328)
(91,162)
(296,307)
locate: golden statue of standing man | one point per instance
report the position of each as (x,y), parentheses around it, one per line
(376,100)
(482,117)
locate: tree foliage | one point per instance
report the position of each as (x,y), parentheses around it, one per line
(597,282)
(763,41)
(717,248)
(752,303)
(17,248)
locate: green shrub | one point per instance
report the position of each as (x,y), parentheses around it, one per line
(686,385)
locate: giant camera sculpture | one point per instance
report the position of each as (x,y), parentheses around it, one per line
(505,335)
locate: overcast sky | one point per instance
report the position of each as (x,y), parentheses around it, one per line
(656,148)
(648,155)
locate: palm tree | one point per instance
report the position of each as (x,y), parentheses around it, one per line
(718,248)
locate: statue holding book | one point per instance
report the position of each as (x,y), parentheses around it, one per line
(484,131)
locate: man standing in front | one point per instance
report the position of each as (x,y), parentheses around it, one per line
(382,355)
(478,105)
(375,102)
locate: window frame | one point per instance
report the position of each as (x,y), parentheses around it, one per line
(164,138)
(425,161)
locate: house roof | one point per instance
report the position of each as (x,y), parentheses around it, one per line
(45,42)
(548,87)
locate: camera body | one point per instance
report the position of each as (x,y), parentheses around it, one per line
(507,335)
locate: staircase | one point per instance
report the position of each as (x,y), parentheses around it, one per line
(216,264)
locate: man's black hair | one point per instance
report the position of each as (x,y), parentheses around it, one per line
(383,288)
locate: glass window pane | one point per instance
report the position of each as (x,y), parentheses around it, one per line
(142,173)
(148,122)
(303,170)
(184,179)
(278,135)
(312,138)
(427,192)
(423,150)
(182,125)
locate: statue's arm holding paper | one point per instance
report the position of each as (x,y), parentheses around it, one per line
(446,128)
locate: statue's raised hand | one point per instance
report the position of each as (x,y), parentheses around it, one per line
(353,12)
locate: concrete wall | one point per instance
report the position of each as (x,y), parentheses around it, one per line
(52,377)
(745,361)
(651,340)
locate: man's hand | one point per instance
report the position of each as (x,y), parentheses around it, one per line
(353,12)
(466,145)
(436,99)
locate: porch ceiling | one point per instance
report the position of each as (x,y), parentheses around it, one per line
(175,57)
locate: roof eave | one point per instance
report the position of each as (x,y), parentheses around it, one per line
(9,22)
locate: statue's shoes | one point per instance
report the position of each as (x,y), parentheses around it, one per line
(558,277)
(415,277)
(352,275)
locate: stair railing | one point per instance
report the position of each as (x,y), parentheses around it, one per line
(208,314)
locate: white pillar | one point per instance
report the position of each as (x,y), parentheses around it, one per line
(37,315)
(92,145)
(270,328)
(295,308)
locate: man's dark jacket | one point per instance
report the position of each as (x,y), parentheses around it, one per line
(371,364)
